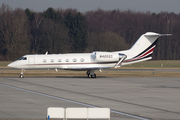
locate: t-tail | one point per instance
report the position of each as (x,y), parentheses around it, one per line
(142,49)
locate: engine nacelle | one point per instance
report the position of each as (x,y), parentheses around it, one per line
(106,57)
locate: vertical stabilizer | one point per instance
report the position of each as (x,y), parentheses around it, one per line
(143,48)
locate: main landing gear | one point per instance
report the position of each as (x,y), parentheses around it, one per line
(91,74)
(22,74)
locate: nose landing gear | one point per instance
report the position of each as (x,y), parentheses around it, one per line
(22,74)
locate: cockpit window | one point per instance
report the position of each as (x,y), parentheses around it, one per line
(23,58)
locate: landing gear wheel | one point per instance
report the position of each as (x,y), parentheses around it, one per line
(21,76)
(22,73)
(93,76)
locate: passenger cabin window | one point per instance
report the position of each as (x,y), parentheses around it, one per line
(52,60)
(44,60)
(59,60)
(67,60)
(74,60)
(82,59)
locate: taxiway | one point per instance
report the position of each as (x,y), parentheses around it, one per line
(129,98)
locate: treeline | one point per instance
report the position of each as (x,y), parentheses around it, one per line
(64,31)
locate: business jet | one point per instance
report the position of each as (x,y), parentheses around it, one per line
(98,60)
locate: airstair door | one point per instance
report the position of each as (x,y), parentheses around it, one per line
(31,62)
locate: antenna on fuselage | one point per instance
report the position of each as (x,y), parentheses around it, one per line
(46,53)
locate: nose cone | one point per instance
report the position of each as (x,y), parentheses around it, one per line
(12,65)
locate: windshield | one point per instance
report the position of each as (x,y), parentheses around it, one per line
(23,58)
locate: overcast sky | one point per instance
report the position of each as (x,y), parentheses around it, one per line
(87,5)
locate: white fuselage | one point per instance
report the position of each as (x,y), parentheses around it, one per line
(76,61)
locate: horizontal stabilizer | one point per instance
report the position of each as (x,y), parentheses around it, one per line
(151,34)
(166,34)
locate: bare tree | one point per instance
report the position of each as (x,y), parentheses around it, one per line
(14,32)
(107,41)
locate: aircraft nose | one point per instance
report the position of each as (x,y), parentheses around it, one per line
(12,65)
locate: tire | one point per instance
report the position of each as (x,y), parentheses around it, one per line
(21,76)
(93,76)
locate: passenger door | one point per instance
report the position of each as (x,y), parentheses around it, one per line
(31,62)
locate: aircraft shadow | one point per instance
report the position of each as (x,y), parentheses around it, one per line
(80,77)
